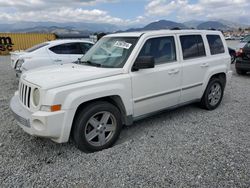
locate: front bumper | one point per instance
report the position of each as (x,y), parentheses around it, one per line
(41,124)
(242,64)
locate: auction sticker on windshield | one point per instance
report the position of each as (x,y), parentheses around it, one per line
(122,44)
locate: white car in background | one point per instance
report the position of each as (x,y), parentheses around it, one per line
(49,53)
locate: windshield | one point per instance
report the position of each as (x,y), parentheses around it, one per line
(246,39)
(36,47)
(110,52)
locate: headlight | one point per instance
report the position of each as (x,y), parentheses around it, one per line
(36,96)
(19,64)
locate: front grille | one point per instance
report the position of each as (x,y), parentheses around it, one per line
(24,94)
(23,121)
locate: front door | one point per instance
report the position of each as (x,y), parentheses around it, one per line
(159,87)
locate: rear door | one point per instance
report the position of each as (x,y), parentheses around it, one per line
(195,65)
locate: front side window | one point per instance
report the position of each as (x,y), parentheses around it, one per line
(110,52)
(215,44)
(85,47)
(69,48)
(162,49)
(192,46)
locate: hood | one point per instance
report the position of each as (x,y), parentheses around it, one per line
(65,74)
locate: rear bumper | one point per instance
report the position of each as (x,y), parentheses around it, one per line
(242,64)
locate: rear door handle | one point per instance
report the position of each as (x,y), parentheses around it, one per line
(173,71)
(204,65)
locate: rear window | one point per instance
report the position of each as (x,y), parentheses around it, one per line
(192,46)
(215,44)
(36,47)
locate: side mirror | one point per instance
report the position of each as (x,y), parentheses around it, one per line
(144,62)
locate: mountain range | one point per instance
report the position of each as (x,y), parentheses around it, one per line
(89,28)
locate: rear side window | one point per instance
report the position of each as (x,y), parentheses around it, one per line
(215,44)
(192,46)
(69,48)
(162,49)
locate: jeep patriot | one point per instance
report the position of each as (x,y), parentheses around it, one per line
(124,77)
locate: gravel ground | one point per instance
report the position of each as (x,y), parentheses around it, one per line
(186,147)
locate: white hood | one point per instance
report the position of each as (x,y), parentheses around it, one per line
(60,75)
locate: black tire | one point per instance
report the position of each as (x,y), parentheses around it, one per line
(205,101)
(241,72)
(82,124)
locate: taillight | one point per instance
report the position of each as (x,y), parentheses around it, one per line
(239,53)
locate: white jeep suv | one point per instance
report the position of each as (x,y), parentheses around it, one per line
(123,78)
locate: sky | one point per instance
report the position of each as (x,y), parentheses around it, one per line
(123,12)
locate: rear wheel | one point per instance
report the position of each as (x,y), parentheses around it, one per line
(213,94)
(97,127)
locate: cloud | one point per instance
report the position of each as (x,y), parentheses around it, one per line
(63,14)
(163,7)
(21,4)
(58,11)
(234,10)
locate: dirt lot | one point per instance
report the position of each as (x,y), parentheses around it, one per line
(187,147)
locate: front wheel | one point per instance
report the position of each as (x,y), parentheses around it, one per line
(213,94)
(97,127)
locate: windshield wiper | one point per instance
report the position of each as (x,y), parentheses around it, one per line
(91,63)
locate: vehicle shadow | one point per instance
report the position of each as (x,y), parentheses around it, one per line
(149,125)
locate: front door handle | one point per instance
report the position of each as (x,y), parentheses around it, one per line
(57,60)
(204,65)
(173,71)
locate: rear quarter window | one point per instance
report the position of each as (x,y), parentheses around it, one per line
(192,46)
(215,44)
